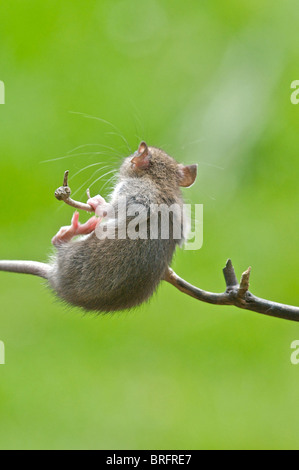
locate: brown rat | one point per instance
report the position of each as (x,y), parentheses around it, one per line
(107,273)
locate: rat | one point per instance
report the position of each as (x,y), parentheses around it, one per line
(103,273)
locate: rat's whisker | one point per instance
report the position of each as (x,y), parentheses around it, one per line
(111,161)
(106,174)
(82,146)
(138,121)
(103,176)
(89,116)
(192,143)
(138,137)
(208,195)
(112,149)
(123,139)
(90,166)
(72,155)
(77,155)
(108,181)
(89,179)
(57,159)
(212,165)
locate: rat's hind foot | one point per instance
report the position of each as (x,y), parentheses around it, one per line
(65,234)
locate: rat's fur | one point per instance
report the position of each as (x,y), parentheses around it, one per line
(116,274)
(104,274)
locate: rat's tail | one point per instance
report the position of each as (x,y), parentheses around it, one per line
(26,267)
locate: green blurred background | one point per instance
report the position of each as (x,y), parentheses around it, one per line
(210,83)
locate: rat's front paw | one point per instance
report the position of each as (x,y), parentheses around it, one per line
(99,205)
(96,201)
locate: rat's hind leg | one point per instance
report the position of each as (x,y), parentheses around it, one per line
(65,234)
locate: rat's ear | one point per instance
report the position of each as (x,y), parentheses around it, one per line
(142,148)
(142,159)
(188,175)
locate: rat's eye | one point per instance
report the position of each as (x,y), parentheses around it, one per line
(142,158)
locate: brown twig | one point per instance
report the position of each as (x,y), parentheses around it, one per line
(63,194)
(236,294)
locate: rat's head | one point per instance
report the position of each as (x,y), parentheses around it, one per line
(154,163)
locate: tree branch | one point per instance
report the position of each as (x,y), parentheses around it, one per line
(63,194)
(236,294)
